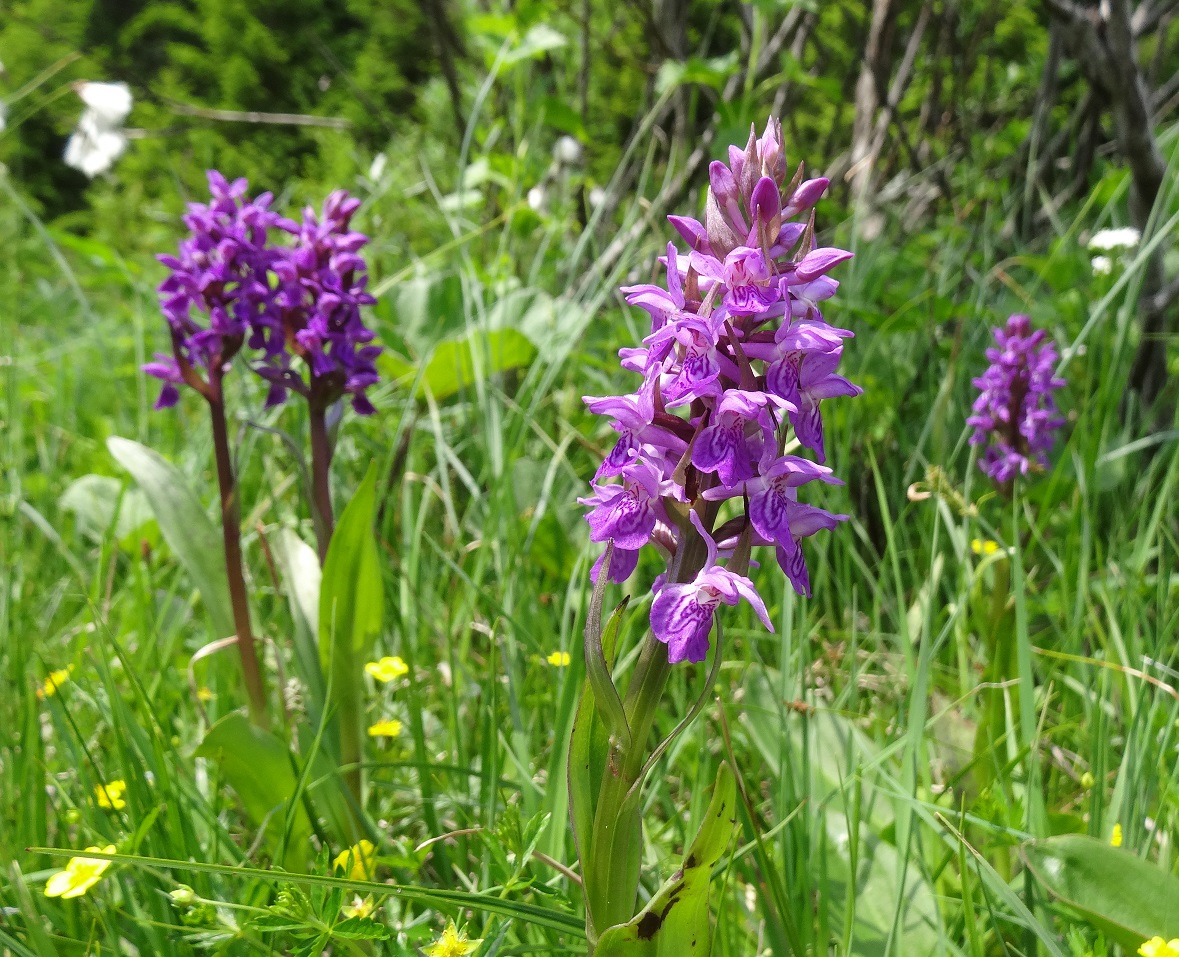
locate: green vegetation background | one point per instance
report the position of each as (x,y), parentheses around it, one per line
(855,727)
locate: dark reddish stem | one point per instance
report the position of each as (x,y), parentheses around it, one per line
(232,537)
(321,462)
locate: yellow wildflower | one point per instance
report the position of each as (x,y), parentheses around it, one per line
(1115,840)
(55,680)
(204,695)
(1157,947)
(559,659)
(1087,780)
(80,874)
(360,907)
(110,796)
(389,728)
(358,862)
(983,547)
(387,669)
(452,943)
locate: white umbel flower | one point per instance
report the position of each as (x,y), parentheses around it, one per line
(1106,240)
(99,138)
(110,102)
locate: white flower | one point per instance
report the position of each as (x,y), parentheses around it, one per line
(99,139)
(536,198)
(3,114)
(91,148)
(1108,239)
(377,167)
(1102,265)
(597,196)
(110,101)
(567,152)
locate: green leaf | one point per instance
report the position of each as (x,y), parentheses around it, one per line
(561,116)
(301,576)
(183,523)
(713,72)
(257,765)
(458,364)
(98,502)
(360,928)
(675,921)
(538,41)
(597,670)
(1130,900)
(351,609)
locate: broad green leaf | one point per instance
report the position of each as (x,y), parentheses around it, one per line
(675,922)
(257,765)
(351,609)
(351,598)
(99,502)
(458,364)
(1130,900)
(183,523)
(301,575)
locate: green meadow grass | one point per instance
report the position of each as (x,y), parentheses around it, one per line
(872,821)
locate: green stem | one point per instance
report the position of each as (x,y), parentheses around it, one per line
(612,871)
(232,539)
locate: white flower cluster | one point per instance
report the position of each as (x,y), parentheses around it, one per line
(99,138)
(1111,241)
(1107,240)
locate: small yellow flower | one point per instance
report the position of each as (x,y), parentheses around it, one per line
(1087,780)
(452,943)
(80,874)
(110,796)
(360,907)
(358,862)
(55,680)
(1115,840)
(983,547)
(389,728)
(387,669)
(558,659)
(1157,947)
(204,695)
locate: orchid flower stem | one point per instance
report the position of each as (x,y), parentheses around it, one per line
(613,880)
(321,462)
(232,538)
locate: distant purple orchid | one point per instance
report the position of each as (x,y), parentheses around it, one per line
(738,356)
(1015,416)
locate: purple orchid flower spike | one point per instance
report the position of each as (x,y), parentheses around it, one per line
(738,359)
(1015,416)
(682,614)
